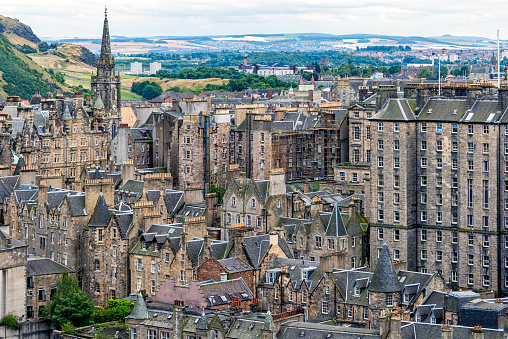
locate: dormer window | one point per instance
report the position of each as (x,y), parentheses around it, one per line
(357,291)
(271,277)
(233,201)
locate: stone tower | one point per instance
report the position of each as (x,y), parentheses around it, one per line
(105,84)
(384,289)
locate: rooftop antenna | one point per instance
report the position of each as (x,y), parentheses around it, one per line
(498,63)
(439,76)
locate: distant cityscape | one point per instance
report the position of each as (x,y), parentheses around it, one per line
(307,204)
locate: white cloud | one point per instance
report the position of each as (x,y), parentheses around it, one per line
(207,17)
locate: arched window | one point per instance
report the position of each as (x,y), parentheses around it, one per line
(97,264)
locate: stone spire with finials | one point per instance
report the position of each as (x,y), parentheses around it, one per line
(105,83)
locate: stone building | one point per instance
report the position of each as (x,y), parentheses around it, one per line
(50,221)
(168,251)
(437,185)
(106,85)
(65,137)
(13,258)
(253,203)
(328,232)
(42,274)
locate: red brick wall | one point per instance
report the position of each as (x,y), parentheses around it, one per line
(210,269)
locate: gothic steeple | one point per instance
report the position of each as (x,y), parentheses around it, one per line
(106,42)
(105,84)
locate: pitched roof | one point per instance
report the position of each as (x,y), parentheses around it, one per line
(384,279)
(395,109)
(100,215)
(220,292)
(235,265)
(257,248)
(44,266)
(336,227)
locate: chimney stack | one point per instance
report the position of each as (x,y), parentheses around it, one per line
(502,98)
(473,93)
(384,93)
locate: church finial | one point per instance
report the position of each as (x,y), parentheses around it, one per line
(105,12)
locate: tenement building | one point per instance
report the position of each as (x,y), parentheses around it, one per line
(439,185)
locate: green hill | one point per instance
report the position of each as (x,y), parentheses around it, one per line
(20,75)
(22,61)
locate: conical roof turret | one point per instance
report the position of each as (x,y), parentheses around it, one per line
(384,279)
(140,311)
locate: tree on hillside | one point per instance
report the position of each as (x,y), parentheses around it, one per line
(147,89)
(69,304)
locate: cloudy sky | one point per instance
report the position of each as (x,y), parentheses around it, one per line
(83,18)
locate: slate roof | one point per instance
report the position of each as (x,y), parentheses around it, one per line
(247,327)
(257,247)
(336,226)
(220,292)
(140,311)
(295,267)
(124,221)
(235,265)
(140,135)
(24,194)
(14,243)
(77,204)
(101,215)
(439,109)
(308,330)
(395,110)
(345,281)
(44,266)
(384,279)
(191,211)
(219,248)
(18,123)
(413,282)
(415,330)
(153,196)
(135,187)
(455,300)
(7,185)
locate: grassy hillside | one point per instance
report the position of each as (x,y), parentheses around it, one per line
(20,75)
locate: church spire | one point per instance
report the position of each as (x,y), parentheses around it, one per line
(106,43)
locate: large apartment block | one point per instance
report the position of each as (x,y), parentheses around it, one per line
(439,185)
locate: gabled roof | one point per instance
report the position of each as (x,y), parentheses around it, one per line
(257,248)
(336,227)
(384,279)
(100,215)
(295,269)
